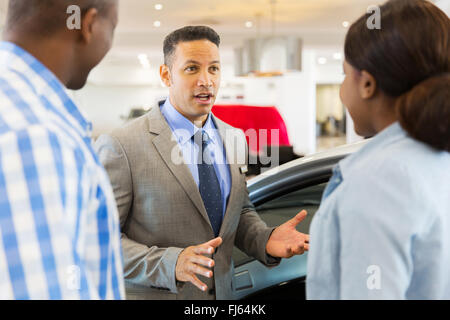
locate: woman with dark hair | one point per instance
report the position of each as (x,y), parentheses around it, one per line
(383,229)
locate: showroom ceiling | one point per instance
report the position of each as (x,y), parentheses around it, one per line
(142,27)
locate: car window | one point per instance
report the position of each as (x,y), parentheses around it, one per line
(283,208)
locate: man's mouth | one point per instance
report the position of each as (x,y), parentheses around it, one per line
(204,97)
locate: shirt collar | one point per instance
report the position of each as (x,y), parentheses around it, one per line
(375,146)
(17,59)
(184,129)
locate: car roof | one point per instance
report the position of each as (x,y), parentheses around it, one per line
(340,151)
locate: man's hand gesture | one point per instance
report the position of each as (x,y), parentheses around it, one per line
(191,260)
(285,241)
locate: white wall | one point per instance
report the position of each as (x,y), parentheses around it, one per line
(104,105)
(294,94)
(332,73)
(444,5)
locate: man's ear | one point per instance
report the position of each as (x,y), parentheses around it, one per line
(87,24)
(367,85)
(164,73)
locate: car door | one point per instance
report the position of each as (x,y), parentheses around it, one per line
(278,195)
(286,281)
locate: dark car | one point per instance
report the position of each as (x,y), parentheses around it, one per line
(278,195)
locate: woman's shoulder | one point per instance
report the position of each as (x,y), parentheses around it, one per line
(414,156)
(402,155)
(404,164)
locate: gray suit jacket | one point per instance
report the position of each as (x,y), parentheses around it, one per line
(162,212)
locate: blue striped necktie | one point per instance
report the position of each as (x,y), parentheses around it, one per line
(209,185)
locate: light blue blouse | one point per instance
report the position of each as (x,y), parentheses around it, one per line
(383,228)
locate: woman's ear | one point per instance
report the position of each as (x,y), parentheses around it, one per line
(367,85)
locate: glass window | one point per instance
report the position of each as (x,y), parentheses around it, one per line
(281,209)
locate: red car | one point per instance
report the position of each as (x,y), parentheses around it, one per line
(259,123)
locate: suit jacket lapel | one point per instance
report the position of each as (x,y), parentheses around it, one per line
(167,147)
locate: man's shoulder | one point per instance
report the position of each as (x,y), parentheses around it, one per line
(133,127)
(16,88)
(222,124)
(13,80)
(41,141)
(228,129)
(20,107)
(128,135)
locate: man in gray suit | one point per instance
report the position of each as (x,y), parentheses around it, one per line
(180,185)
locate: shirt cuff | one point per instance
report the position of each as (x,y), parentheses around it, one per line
(173,254)
(270,260)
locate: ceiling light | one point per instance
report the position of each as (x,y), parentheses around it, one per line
(157,24)
(143,59)
(249,24)
(337,56)
(345,24)
(158,6)
(322,60)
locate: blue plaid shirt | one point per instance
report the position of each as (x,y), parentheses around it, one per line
(59,227)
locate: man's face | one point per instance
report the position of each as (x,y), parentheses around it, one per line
(98,42)
(193,78)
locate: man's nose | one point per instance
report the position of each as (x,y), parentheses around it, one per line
(205,80)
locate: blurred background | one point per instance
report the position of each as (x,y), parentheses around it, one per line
(283,57)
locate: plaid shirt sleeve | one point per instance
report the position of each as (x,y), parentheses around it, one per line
(59,225)
(59,236)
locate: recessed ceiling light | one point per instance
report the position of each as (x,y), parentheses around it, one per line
(157,24)
(322,60)
(345,24)
(142,56)
(249,24)
(158,6)
(143,59)
(337,56)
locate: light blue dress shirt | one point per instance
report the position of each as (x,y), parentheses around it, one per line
(183,130)
(383,228)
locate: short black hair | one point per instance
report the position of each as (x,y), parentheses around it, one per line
(44,17)
(186,34)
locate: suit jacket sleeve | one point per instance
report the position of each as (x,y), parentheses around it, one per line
(252,233)
(143,265)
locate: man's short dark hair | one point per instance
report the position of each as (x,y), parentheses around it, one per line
(186,34)
(44,17)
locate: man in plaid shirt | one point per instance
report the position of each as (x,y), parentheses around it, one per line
(59,229)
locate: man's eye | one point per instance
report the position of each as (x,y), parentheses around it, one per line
(215,69)
(190,69)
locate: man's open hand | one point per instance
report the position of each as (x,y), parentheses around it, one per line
(285,241)
(191,260)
